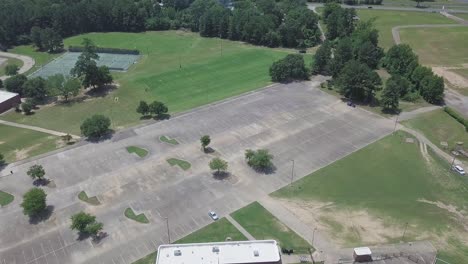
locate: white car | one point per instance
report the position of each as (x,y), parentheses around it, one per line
(213,215)
(459,169)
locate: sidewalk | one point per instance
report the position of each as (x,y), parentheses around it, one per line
(39,129)
(240,228)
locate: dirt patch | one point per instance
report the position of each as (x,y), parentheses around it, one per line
(346,227)
(459,215)
(452,77)
(24,153)
(1,142)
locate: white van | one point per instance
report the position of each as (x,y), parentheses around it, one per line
(459,169)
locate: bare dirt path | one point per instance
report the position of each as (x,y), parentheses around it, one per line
(39,129)
(28,62)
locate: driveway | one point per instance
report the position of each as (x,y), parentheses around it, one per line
(295,122)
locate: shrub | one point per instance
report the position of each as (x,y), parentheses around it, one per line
(411,97)
(288,69)
(457,117)
(106,50)
(34,202)
(95,126)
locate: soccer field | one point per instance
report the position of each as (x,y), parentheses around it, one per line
(178,68)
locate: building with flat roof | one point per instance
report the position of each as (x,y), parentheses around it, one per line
(8,100)
(232,252)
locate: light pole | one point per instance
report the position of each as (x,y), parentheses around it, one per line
(313,236)
(453,162)
(404,232)
(396,122)
(168,233)
(292,173)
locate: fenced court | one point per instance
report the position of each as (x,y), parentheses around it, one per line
(64,63)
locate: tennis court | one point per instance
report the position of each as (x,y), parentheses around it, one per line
(64,63)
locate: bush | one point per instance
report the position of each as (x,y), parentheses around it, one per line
(106,50)
(411,97)
(27,107)
(11,69)
(259,160)
(34,202)
(457,117)
(288,69)
(95,126)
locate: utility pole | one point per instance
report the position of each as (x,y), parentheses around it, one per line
(453,162)
(404,232)
(313,236)
(396,122)
(168,234)
(292,173)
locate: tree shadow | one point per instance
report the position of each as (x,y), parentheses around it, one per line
(43,216)
(72,101)
(162,117)
(105,137)
(209,150)
(266,170)
(101,91)
(391,111)
(101,236)
(41,182)
(145,117)
(221,175)
(82,236)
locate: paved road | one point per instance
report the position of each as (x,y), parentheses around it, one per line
(397,8)
(28,62)
(35,128)
(295,121)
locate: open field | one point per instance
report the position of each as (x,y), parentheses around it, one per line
(462,15)
(386,20)
(438,46)
(369,196)
(18,143)
(206,75)
(9,61)
(439,126)
(215,232)
(263,225)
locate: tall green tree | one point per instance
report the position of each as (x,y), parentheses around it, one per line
(36,88)
(432,89)
(218,165)
(343,53)
(290,68)
(322,59)
(81,220)
(390,96)
(400,59)
(95,127)
(419,73)
(36,172)
(358,82)
(143,108)
(34,202)
(205,141)
(15,84)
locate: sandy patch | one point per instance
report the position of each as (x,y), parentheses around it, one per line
(1,142)
(459,215)
(452,77)
(345,226)
(24,153)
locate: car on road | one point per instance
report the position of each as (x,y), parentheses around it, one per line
(459,169)
(213,215)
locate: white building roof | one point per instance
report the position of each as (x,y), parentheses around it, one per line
(362,251)
(219,253)
(4,95)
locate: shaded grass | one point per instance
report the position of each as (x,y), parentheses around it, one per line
(439,126)
(263,225)
(185,165)
(214,232)
(139,151)
(91,200)
(438,46)
(387,179)
(386,20)
(18,143)
(168,140)
(5,198)
(10,61)
(141,218)
(205,76)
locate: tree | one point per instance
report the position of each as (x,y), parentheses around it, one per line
(369,54)
(36,172)
(67,138)
(157,108)
(51,41)
(390,96)
(321,63)
(95,126)
(288,69)
(400,59)
(358,82)
(66,87)
(93,229)
(15,84)
(35,88)
(11,69)
(402,85)
(27,107)
(143,108)
(260,159)
(343,53)
(34,202)
(218,165)
(432,89)
(419,1)
(81,220)
(418,75)
(36,37)
(205,141)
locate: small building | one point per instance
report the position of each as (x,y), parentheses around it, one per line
(240,252)
(8,100)
(362,254)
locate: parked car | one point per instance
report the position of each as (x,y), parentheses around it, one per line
(213,215)
(459,169)
(351,104)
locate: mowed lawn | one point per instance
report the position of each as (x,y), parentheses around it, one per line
(19,143)
(438,46)
(385,20)
(180,69)
(387,178)
(439,126)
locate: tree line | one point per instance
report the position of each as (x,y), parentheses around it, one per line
(262,22)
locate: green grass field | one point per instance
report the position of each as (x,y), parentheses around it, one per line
(386,20)
(141,218)
(5,198)
(439,126)
(438,46)
(10,61)
(387,178)
(185,165)
(206,76)
(18,143)
(462,15)
(139,151)
(215,232)
(263,225)
(91,200)
(168,140)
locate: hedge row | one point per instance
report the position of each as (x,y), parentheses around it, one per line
(457,116)
(106,50)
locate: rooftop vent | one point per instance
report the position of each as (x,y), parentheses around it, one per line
(256,253)
(216,249)
(177,252)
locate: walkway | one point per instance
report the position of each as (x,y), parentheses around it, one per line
(39,129)
(28,62)
(322,36)
(415,113)
(240,228)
